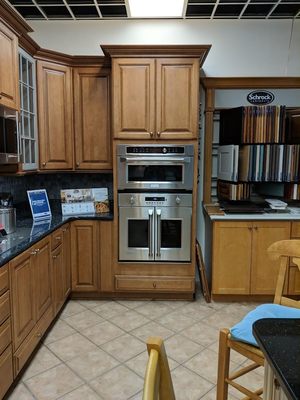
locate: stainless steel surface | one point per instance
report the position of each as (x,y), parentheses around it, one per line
(164,157)
(8,219)
(151,211)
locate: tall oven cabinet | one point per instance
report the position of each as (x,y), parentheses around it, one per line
(155,91)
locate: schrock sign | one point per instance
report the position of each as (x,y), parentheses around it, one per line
(260,97)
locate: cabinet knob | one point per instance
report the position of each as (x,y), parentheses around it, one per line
(37,250)
(58,238)
(33,252)
(151,134)
(77,164)
(158,134)
(54,256)
(154,285)
(249,227)
(44,164)
(255,227)
(38,334)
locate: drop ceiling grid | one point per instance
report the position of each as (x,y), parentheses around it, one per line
(194,9)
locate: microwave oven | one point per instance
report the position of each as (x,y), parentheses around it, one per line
(9,147)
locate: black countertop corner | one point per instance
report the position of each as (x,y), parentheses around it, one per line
(28,232)
(279,340)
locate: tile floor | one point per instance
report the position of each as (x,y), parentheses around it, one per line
(96,350)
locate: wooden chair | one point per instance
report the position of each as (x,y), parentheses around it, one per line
(281,250)
(158,382)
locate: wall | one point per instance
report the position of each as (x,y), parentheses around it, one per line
(239,47)
(53,183)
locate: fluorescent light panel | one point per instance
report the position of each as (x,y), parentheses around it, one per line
(156,8)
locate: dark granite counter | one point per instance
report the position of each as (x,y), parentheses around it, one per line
(28,233)
(279,340)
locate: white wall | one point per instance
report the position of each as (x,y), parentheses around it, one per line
(239,47)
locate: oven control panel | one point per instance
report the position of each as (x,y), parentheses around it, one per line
(155,200)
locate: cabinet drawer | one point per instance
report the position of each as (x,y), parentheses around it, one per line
(4,307)
(31,341)
(3,279)
(154,283)
(5,335)
(56,238)
(6,371)
(295,232)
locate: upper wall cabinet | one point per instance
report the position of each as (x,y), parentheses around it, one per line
(92,118)
(9,92)
(54,84)
(156,91)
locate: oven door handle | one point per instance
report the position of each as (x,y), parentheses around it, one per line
(172,160)
(150,233)
(158,232)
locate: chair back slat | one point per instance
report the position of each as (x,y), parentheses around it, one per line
(163,379)
(285,250)
(152,377)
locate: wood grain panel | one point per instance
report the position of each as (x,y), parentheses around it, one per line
(5,335)
(6,371)
(106,255)
(154,283)
(84,253)
(9,75)
(92,118)
(54,83)
(22,284)
(231,257)
(66,260)
(58,276)
(4,307)
(264,271)
(4,282)
(43,277)
(177,98)
(133,98)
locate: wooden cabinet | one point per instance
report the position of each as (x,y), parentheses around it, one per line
(155,98)
(240,263)
(54,83)
(165,284)
(92,118)
(85,248)
(31,297)
(60,260)
(9,77)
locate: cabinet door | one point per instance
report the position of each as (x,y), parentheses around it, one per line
(231,257)
(58,273)
(9,78)
(66,261)
(84,253)
(133,98)
(92,118)
(43,277)
(177,98)
(105,256)
(22,284)
(263,270)
(294,281)
(54,84)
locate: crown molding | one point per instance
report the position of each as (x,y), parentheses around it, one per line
(251,82)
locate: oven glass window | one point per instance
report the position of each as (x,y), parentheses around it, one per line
(138,233)
(171,233)
(157,173)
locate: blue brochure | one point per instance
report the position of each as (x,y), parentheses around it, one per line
(39,204)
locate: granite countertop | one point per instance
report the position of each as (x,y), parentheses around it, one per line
(28,233)
(279,340)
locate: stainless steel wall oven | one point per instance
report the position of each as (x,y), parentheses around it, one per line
(155,227)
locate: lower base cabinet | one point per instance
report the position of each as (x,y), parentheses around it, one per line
(6,371)
(154,283)
(240,262)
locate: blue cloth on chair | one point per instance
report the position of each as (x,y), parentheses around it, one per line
(242,331)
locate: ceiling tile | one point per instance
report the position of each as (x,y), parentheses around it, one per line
(286,10)
(261,10)
(85,11)
(30,12)
(229,10)
(113,11)
(56,12)
(199,10)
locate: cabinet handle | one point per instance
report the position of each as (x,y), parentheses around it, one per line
(151,134)
(249,227)
(158,134)
(64,230)
(33,253)
(256,228)
(58,238)
(154,285)
(54,256)
(44,164)
(37,250)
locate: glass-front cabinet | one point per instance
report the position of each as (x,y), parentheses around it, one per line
(28,112)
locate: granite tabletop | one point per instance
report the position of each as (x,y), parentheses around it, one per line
(279,340)
(28,232)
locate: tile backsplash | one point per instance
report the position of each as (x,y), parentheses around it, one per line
(53,183)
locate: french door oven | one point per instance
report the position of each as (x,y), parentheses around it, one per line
(155,227)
